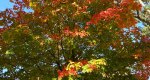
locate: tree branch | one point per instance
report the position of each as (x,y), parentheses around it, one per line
(40,69)
(142,3)
(141,19)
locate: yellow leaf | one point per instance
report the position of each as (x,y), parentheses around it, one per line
(32,4)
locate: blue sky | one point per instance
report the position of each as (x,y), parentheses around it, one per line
(5,4)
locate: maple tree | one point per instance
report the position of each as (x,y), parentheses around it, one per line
(73,39)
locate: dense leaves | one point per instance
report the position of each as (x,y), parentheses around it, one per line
(73,39)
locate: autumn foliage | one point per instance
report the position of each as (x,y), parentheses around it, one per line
(73,39)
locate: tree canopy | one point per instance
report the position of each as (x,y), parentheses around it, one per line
(74,40)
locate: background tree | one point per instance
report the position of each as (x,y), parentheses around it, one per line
(143,15)
(78,39)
